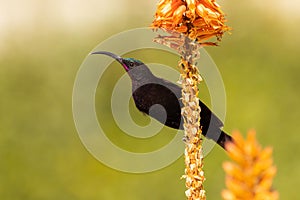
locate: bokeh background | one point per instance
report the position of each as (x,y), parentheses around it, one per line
(42,45)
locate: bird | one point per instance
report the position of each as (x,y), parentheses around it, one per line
(148,91)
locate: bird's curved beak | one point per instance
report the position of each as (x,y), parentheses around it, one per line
(116,57)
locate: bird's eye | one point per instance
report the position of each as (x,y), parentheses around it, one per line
(131,64)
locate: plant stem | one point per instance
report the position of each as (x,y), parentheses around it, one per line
(190,78)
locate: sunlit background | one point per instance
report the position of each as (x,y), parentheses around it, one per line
(42,45)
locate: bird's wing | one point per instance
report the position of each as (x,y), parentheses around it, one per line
(171,86)
(206,115)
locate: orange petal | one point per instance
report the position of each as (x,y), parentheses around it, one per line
(235,153)
(166,10)
(238,139)
(178,14)
(176,4)
(266,153)
(228,195)
(236,187)
(200,10)
(270,172)
(191,4)
(233,170)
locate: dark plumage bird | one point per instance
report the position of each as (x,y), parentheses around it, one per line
(149,90)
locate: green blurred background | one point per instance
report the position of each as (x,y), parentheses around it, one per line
(43,44)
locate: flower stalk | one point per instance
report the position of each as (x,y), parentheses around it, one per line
(190,78)
(190,24)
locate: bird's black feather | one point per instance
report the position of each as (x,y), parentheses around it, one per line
(148,91)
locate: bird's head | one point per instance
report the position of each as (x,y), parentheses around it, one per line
(135,68)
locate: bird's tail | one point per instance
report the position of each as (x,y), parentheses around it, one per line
(218,136)
(224,137)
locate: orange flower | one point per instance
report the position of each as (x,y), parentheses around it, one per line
(198,19)
(251,173)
